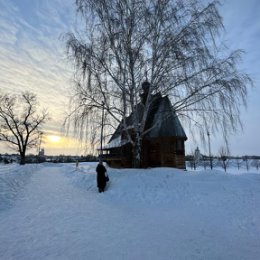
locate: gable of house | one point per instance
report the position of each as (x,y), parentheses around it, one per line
(163,142)
(162,121)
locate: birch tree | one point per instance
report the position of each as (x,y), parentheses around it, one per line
(172,44)
(20,123)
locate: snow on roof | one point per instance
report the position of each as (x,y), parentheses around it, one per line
(117,142)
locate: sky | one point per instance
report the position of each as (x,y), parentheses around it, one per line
(33,57)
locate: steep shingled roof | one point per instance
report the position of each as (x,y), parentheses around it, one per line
(162,121)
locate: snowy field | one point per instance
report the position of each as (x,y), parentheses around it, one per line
(53,211)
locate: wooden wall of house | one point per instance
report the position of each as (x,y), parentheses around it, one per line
(119,157)
(156,152)
(163,152)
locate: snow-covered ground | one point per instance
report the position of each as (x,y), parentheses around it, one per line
(53,211)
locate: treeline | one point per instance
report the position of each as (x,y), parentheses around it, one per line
(10,158)
(239,162)
(71,159)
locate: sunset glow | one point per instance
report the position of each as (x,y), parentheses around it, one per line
(54,138)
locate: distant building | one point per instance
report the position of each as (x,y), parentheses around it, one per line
(41,156)
(41,153)
(197,155)
(162,145)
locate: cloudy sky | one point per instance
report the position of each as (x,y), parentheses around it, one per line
(32,57)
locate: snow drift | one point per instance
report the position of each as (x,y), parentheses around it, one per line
(54,211)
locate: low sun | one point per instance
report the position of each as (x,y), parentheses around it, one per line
(54,138)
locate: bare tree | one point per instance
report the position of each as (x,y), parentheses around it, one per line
(171,44)
(224,157)
(257,164)
(19,122)
(238,161)
(246,159)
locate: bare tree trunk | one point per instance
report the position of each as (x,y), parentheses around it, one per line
(137,149)
(22,158)
(22,150)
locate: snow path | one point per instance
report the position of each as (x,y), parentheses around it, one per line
(49,219)
(55,212)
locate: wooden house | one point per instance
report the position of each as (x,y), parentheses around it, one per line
(162,145)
